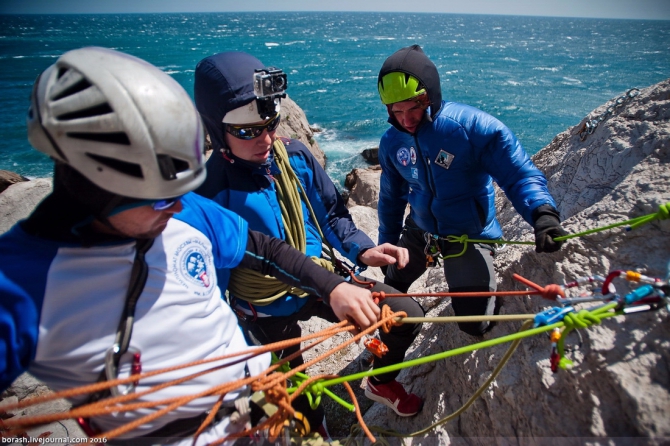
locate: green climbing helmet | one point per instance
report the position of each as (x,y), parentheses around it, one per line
(397,87)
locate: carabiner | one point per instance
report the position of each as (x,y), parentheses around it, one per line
(112,371)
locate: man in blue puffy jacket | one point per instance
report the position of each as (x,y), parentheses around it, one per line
(442,157)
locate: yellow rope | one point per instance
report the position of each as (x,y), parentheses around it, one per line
(263,290)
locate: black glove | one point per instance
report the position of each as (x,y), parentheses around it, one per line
(547,226)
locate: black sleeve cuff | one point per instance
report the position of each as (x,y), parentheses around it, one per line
(545,209)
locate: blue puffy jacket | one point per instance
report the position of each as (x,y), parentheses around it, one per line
(446,172)
(249,191)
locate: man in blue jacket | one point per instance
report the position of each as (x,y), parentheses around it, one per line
(442,157)
(114,271)
(277,185)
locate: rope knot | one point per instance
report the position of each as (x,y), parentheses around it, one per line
(456,239)
(582,319)
(663,211)
(378,296)
(387,313)
(552,292)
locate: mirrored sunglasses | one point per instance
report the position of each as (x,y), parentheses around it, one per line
(252,131)
(162,205)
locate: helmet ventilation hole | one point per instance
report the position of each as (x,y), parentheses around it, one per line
(132,169)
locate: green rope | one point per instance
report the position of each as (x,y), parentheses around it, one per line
(582,319)
(501,364)
(662,214)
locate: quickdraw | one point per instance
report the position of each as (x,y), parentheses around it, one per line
(651,295)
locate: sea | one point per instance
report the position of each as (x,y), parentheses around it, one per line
(539,75)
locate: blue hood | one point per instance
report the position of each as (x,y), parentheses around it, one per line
(223,82)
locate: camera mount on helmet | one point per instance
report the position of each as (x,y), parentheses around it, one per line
(270,85)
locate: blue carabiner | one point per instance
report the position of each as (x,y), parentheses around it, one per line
(551,315)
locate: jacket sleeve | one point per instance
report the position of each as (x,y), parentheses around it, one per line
(506,161)
(334,218)
(393,196)
(18,331)
(274,257)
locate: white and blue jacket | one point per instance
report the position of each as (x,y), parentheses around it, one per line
(61,302)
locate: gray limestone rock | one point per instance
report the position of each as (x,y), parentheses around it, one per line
(19,200)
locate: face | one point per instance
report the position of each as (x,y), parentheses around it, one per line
(256,149)
(140,222)
(408,114)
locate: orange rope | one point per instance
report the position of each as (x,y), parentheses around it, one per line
(380,295)
(265,381)
(550,292)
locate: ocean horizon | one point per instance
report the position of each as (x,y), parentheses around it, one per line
(539,75)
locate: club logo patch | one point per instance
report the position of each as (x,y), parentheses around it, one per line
(193,266)
(412,155)
(444,159)
(403,156)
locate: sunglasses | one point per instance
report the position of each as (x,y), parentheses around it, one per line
(156,205)
(162,205)
(252,131)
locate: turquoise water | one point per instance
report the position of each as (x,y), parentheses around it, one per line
(539,75)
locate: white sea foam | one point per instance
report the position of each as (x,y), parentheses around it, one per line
(572,81)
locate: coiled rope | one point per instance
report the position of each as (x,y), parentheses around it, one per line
(259,289)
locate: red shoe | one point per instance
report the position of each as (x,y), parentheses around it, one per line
(393,395)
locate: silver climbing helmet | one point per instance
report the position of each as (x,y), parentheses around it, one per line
(121,122)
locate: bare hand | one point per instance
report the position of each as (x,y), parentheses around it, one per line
(385,254)
(355,304)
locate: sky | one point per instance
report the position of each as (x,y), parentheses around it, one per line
(622,9)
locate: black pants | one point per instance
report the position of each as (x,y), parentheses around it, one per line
(471,271)
(274,329)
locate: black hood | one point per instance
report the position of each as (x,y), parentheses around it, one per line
(67,212)
(223,82)
(413,61)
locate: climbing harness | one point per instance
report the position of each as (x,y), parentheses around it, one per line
(590,125)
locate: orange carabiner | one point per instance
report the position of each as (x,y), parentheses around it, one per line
(376,347)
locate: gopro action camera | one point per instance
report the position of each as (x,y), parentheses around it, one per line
(269,86)
(270,83)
